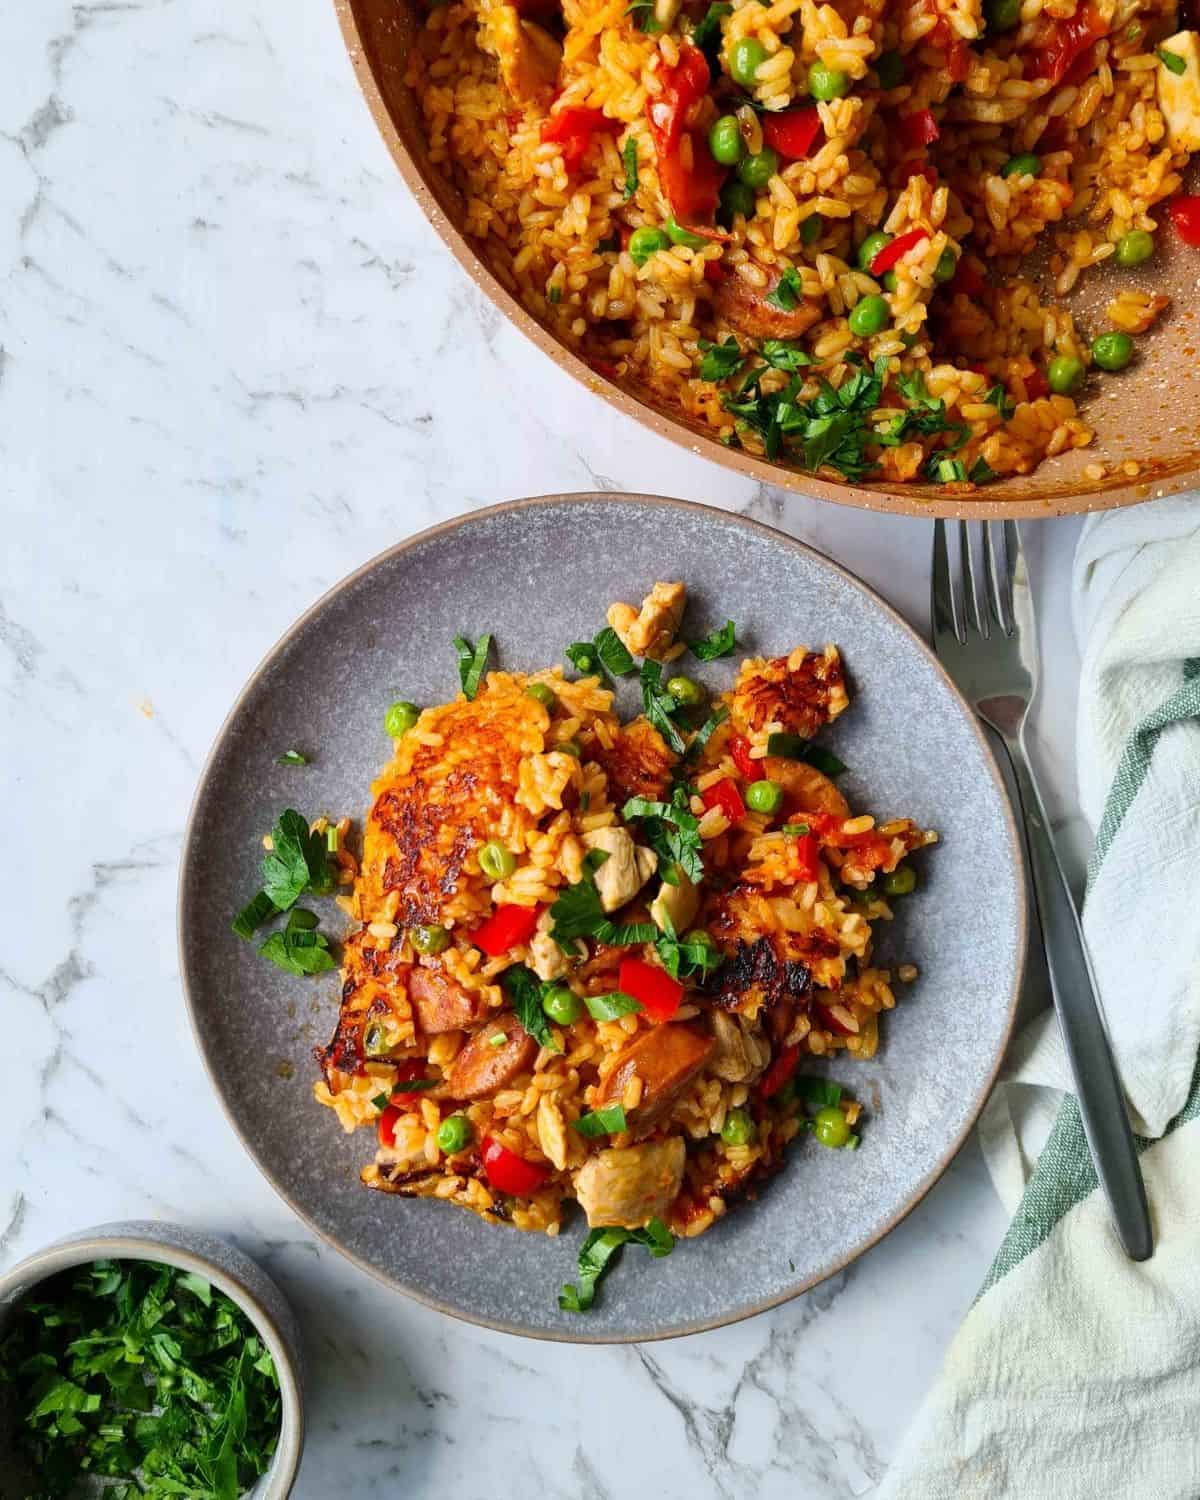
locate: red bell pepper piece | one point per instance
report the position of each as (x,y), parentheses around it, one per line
(654,989)
(918,129)
(792,132)
(387,1127)
(1185,216)
(714,272)
(506,928)
(808,851)
(509,1173)
(1070,40)
(739,749)
(779,1072)
(1036,386)
(835,1023)
(966,279)
(725,795)
(573,130)
(399,1101)
(692,191)
(898,248)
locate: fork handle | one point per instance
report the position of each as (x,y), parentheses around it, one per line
(1097,1085)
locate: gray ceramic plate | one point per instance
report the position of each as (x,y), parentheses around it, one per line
(540,574)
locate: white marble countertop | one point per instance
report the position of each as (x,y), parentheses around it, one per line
(236,363)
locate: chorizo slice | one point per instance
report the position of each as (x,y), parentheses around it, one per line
(485,1065)
(746,309)
(440,1002)
(666,1059)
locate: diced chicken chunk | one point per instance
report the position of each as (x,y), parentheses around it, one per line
(675,904)
(638,764)
(741,1050)
(625,871)
(628,1186)
(498,1051)
(546,958)
(440,1003)
(664,1059)
(652,631)
(528,55)
(1179,92)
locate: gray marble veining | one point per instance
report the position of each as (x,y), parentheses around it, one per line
(235,363)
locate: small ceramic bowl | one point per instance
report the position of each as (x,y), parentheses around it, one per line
(217,1261)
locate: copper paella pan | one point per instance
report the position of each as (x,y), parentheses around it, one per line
(1147,423)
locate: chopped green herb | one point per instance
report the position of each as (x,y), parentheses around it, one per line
(297,862)
(257,911)
(1172,60)
(593,859)
(554,295)
(787,291)
(609,1007)
(124,1369)
(999,398)
(707,34)
(417,1085)
(595,1258)
(381,1101)
(672,831)
(629,155)
(982,472)
(659,706)
(721,361)
(781,354)
(299,947)
(643,15)
(292,758)
(820,1091)
(718,643)
(524,989)
(706,731)
(614,657)
(582,656)
(948,470)
(577,913)
(693,954)
(796,830)
(823,760)
(471,662)
(608,1121)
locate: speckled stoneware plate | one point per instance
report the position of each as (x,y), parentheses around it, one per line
(539,574)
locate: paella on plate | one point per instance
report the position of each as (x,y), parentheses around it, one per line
(590,957)
(810,226)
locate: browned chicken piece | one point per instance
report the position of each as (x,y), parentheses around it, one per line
(638,765)
(746,309)
(665,1059)
(627,1186)
(374,987)
(742,1052)
(805,789)
(441,1004)
(801,692)
(528,55)
(484,1065)
(650,632)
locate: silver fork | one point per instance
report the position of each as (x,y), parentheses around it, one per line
(985,635)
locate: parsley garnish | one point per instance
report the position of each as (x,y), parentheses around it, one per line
(686,956)
(787,291)
(721,361)
(1172,60)
(595,1257)
(947,470)
(297,862)
(124,1368)
(999,398)
(659,706)
(780,354)
(611,1006)
(579,913)
(614,657)
(471,662)
(672,831)
(299,947)
(642,12)
(707,34)
(292,758)
(718,643)
(525,990)
(982,472)
(607,1121)
(823,760)
(821,1091)
(705,732)
(629,155)
(261,909)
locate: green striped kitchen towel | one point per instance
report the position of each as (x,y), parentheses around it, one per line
(1076,1374)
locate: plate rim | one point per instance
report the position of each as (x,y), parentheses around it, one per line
(187,879)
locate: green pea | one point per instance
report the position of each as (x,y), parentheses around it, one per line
(827,83)
(1024,165)
(830,1128)
(757,170)
(869,316)
(739,1128)
(946,266)
(542,694)
(1002,15)
(375,1042)
(678,235)
(725,141)
(889,281)
(454,1134)
(1065,375)
(684,690)
(764,796)
(871,247)
(643,243)
(496,860)
(736,198)
(889,67)
(429,939)
(902,881)
(1112,351)
(571,748)
(400,718)
(1135,247)
(810,230)
(562,1004)
(745,58)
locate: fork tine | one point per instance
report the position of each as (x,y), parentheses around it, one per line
(996,573)
(944,601)
(975,615)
